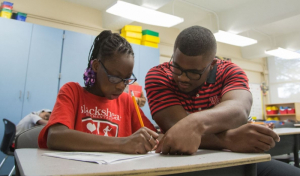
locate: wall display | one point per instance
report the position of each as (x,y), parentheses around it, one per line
(257,107)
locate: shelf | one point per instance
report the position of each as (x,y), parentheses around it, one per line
(273,115)
(275,104)
(295,116)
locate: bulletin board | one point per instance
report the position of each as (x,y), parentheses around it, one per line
(257,107)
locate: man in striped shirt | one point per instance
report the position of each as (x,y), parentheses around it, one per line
(199,100)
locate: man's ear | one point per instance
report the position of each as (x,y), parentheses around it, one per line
(95,65)
(213,63)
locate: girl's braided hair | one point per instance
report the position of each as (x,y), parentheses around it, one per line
(105,45)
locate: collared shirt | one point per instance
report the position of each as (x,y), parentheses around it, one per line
(163,92)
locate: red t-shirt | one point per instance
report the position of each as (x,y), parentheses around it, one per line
(163,92)
(80,110)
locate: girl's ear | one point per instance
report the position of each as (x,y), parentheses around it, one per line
(95,65)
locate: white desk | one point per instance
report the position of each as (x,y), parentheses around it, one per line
(31,162)
(289,143)
(287,131)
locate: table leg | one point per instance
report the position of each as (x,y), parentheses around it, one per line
(251,169)
(296,150)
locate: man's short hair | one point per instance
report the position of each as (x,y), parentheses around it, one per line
(196,41)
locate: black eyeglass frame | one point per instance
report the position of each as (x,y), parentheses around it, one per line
(121,79)
(186,71)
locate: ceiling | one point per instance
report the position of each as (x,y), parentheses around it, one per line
(274,23)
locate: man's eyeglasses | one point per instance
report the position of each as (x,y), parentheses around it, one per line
(116,80)
(191,74)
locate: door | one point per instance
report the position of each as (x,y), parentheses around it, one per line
(75,57)
(148,58)
(136,68)
(14,50)
(43,69)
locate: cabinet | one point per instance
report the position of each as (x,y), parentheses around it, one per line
(145,59)
(136,68)
(295,116)
(29,69)
(76,48)
(30,63)
(14,49)
(42,69)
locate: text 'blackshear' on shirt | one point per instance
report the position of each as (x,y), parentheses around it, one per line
(100,113)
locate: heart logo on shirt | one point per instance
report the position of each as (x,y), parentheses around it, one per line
(91,127)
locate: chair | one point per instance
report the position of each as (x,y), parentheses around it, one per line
(8,138)
(284,124)
(27,139)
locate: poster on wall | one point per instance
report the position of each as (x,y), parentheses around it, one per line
(257,108)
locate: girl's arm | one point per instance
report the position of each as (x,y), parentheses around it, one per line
(61,137)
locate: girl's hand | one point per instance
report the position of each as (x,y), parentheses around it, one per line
(141,101)
(182,138)
(140,142)
(270,125)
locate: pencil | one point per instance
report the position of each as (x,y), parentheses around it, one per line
(259,123)
(137,109)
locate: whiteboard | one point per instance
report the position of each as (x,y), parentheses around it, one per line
(257,107)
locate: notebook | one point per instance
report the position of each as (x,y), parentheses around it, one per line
(99,157)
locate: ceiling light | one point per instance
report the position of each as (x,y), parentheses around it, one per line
(143,15)
(233,39)
(283,53)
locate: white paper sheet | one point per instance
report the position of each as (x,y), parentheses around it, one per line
(98,157)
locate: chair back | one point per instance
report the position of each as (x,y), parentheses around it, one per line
(284,124)
(28,138)
(8,137)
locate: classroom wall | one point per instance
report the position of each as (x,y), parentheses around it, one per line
(69,16)
(61,14)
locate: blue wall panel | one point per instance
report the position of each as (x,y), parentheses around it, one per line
(43,69)
(14,50)
(75,57)
(148,58)
(136,68)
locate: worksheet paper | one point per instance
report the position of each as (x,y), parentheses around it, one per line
(99,157)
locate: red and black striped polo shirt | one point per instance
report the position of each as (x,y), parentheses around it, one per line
(163,92)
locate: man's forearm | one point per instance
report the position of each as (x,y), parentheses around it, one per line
(213,141)
(225,116)
(230,113)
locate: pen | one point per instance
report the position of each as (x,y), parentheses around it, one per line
(137,109)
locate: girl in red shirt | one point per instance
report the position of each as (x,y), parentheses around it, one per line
(99,116)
